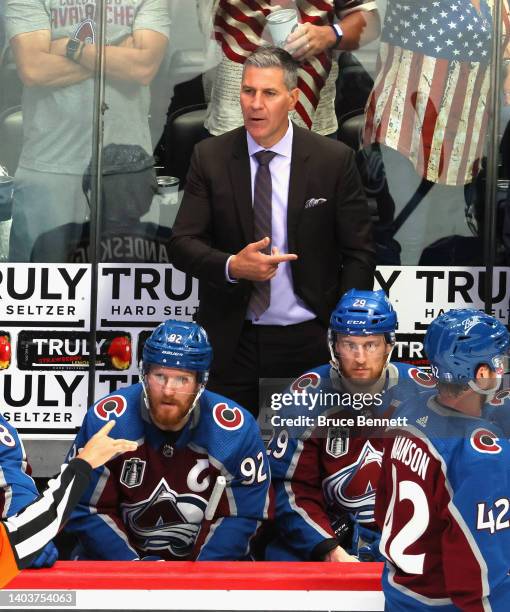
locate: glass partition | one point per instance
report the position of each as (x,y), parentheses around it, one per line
(101,105)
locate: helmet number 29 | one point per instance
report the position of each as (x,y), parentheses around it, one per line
(359,302)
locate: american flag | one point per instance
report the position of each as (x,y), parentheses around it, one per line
(239,27)
(429,99)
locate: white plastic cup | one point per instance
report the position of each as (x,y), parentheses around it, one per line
(281,23)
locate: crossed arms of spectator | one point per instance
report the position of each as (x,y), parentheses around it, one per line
(43,62)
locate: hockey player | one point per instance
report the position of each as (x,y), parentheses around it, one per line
(23,535)
(325,475)
(197,486)
(444,495)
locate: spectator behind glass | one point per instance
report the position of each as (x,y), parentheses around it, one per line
(55,52)
(428,113)
(312,44)
(128,187)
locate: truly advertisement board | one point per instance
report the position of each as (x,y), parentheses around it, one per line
(420,294)
(45,341)
(45,326)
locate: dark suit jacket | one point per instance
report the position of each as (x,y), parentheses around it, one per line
(333,240)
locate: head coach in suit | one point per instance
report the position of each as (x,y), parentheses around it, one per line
(275,225)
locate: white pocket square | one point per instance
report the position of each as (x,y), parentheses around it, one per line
(313,202)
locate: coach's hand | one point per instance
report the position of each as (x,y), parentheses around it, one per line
(251,264)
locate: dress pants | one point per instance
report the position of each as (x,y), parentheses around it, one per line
(270,352)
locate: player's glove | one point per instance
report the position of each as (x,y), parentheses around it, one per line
(365,543)
(342,526)
(46,558)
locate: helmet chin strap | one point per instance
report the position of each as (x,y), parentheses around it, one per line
(141,378)
(201,389)
(489,393)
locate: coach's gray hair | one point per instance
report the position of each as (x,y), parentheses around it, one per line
(275,57)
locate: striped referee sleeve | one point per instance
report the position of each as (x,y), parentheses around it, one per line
(32,528)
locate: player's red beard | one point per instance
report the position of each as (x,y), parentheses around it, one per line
(170,412)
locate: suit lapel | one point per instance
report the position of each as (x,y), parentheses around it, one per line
(297,184)
(240,178)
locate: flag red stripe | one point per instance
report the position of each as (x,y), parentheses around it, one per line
(454,116)
(386,112)
(301,111)
(483,126)
(237,34)
(244,22)
(370,110)
(431,113)
(409,116)
(303,86)
(318,79)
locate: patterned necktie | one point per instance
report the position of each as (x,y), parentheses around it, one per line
(262,197)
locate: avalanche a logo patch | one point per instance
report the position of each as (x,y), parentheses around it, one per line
(227,417)
(352,488)
(112,405)
(166,520)
(485,441)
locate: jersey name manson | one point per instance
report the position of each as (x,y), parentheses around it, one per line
(406,451)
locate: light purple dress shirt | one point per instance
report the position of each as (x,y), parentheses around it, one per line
(286,308)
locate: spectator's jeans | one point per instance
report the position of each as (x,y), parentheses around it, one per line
(43,201)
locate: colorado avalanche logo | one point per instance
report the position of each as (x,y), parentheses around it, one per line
(166,520)
(310,379)
(111,405)
(500,397)
(86,32)
(484,441)
(227,417)
(353,487)
(424,379)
